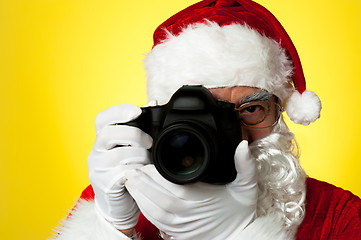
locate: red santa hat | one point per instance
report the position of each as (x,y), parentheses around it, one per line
(225,43)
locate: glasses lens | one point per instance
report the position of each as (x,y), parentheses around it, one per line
(253,113)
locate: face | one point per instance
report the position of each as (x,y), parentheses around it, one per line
(243,98)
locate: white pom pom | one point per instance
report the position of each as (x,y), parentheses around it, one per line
(303,108)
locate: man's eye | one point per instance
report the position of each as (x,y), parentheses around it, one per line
(252,109)
(252,114)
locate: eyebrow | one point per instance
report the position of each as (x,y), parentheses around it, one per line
(258,96)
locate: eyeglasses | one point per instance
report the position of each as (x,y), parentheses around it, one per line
(260,113)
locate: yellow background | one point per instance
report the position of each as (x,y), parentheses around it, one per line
(63,61)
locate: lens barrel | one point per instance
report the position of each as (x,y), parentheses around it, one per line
(182,152)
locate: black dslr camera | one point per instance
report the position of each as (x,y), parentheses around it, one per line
(194,136)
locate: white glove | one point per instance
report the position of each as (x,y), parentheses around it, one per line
(117,149)
(198,211)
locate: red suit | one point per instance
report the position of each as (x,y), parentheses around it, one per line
(331,213)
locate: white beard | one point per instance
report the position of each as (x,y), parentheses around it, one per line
(281,179)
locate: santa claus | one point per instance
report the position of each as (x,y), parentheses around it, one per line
(240,52)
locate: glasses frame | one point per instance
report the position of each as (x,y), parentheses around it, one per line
(278,112)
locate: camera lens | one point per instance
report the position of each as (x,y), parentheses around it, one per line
(182,153)
(187,153)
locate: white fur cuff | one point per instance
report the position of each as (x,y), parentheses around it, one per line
(85,223)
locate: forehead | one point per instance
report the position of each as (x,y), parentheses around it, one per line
(234,94)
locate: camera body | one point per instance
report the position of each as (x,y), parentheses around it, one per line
(194,136)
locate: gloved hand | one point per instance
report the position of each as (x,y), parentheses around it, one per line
(199,210)
(117,149)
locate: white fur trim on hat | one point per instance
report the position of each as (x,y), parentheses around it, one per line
(214,56)
(303,108)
